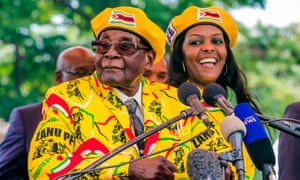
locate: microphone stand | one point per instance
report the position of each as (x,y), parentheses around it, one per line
(268,172)
(224,165)
(184,114)
(289,129)
(232,157)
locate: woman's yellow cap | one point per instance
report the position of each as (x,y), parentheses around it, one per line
(195,15)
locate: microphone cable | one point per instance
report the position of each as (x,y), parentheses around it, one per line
(267,119)
(288,125)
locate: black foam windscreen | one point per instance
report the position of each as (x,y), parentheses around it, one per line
(185,90)
(211,91)
(203,165)
(261,153)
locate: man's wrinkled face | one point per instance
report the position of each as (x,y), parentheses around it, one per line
(120,58)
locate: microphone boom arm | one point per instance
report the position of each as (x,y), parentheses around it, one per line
(289,129)
(184,114)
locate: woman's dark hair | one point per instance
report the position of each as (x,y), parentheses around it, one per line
(233,77)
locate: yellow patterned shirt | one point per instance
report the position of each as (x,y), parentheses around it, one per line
(83,120)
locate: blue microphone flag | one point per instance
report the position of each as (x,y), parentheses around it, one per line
(255,130)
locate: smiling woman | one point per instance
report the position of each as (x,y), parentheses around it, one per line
(201,39)
(201,51)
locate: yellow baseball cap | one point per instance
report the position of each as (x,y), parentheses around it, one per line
(134,20)
(195,15)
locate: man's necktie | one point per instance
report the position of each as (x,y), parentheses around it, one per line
(136,121)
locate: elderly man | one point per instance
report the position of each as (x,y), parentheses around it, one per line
(86,119)
(72,63)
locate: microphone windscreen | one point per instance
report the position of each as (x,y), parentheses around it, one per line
(256,140)
(185,90)
(211,91)
(261,152)
(231,124)
(203,165)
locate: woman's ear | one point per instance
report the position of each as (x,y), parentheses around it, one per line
(150,55)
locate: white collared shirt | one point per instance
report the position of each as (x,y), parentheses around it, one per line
(137,97)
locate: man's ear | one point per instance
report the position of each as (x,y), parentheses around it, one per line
(149,59)
(58,77)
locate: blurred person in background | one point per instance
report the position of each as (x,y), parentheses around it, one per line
(72,63)
(158,72)
(289,148)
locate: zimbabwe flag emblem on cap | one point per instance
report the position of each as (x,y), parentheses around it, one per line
(122,18)
(208,14)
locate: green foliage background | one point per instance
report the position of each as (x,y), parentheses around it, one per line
(33,32)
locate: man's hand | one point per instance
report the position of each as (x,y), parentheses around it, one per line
(154,168)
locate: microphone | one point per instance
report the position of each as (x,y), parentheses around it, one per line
(215,95)
(233,131)
(203,164)
(282,125)
(256,140)
(189,95)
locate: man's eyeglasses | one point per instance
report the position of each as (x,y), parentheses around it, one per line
(77,73)
(124,47)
